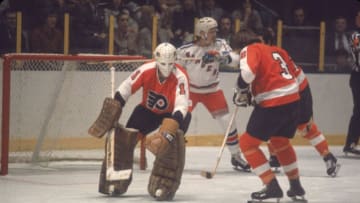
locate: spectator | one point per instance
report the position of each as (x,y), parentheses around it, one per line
(296,39)
(88,33)
(226,28)
(47,38)
(8,33)
(165,33)
(61,8)
(209,8)
(125,38)
(249,17)
(342,62)
(183,22)
(299,17)
(357,21)
(338,38)
(145,32)
(113,9)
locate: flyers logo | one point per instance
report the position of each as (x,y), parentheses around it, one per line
(156,101)
(242,54)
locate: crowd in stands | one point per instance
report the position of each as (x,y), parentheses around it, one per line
(43,25)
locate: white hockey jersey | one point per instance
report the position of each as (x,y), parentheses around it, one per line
(204,78)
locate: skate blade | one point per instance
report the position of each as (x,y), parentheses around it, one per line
(351,155)
(238,168)
(334,174)
(270,200)
(299,199)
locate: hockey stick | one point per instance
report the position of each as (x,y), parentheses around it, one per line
(111,174)
(139,60)
(208,174)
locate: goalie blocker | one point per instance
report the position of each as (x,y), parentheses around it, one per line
(109,115)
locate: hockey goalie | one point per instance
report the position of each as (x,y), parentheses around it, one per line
(163,109)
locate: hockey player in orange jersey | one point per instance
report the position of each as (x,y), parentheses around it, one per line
(164,107)
(307,127)
(265,76)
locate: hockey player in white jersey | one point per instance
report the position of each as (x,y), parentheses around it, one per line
(204,79)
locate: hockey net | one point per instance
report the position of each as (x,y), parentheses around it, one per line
(50,100)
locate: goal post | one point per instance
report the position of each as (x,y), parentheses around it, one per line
(49,101)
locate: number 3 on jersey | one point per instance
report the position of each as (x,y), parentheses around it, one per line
(285,70)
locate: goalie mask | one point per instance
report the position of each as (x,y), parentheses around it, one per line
(165,56)
(203,25)
(355,42)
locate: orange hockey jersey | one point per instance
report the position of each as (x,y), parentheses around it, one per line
(266,68)
(167,97)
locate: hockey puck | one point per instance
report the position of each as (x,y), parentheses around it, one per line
(208,175)
(158,192)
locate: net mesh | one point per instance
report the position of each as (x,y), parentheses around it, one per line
(53,101)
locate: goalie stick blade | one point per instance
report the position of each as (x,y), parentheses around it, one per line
(207,174)
(112,175)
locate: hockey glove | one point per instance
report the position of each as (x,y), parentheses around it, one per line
(159,143)
(242,97)
(210,56)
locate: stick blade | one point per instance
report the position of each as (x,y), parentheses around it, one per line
(207,174)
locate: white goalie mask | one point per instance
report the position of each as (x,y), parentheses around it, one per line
(204,25)
(165,56)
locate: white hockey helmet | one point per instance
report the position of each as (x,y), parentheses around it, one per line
(165,56)
(204,25)
(355,42)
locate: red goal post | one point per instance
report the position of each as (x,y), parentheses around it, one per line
(49,101)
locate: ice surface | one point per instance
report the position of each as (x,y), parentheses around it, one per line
(77,182)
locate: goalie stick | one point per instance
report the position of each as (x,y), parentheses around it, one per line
(208,174)
(111,173)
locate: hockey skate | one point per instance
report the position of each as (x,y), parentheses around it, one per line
(239,163)
(351,150)
(274,163)
(296,191)
(272,190)
(332,167)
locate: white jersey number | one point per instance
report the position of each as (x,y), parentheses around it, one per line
(285,73)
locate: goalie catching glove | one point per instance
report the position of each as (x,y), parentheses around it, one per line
(159,142)
(109,115)
(242,97)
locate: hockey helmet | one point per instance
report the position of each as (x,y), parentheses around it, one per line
(165,56)
(355,42)
(204,25)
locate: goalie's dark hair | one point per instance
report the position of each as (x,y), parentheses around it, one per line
(243,38)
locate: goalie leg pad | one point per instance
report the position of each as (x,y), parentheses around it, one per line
(110,114)
(125,142)
(166,174)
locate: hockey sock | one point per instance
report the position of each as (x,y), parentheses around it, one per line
(316,138)
(256,158)
(286,156)
(232,142)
